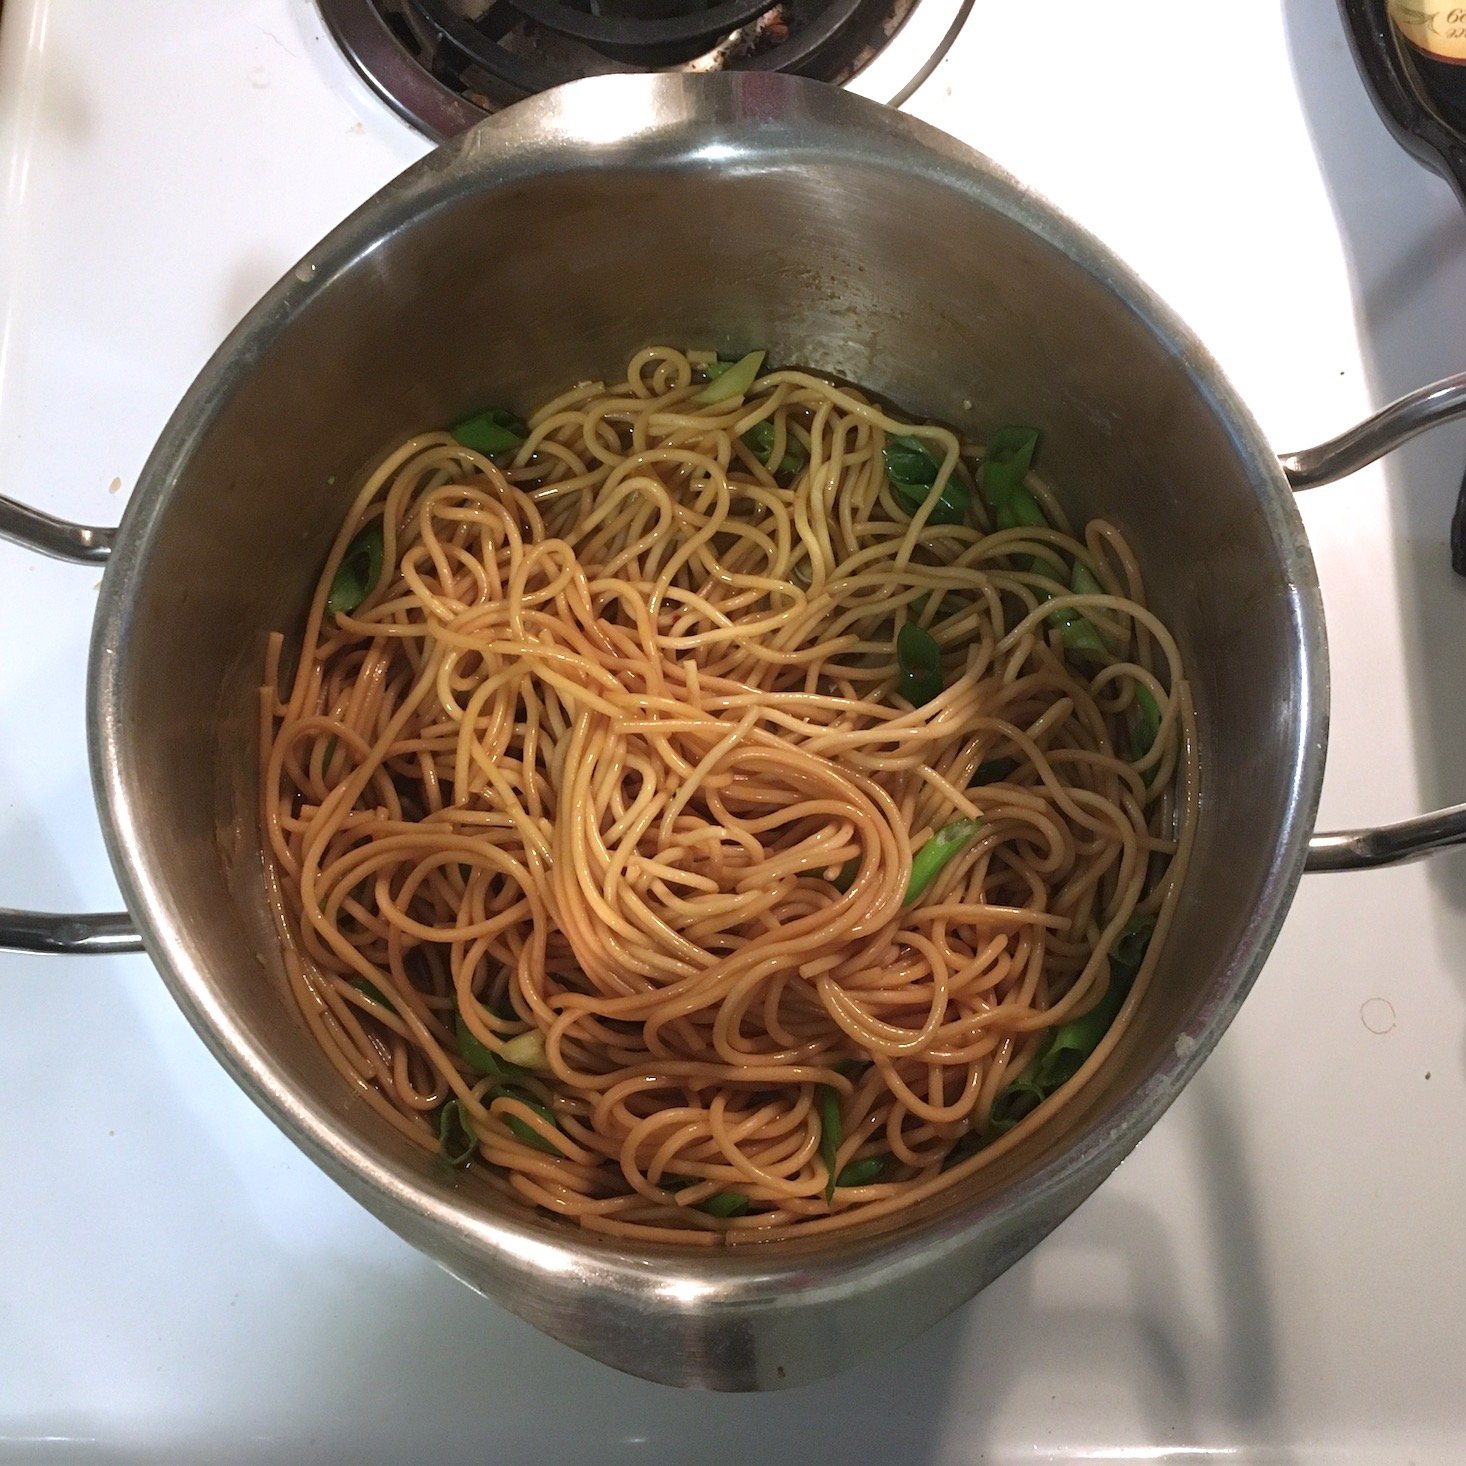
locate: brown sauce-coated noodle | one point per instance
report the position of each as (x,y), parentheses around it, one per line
(611,769)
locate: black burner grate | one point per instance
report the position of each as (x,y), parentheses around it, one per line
(444,63)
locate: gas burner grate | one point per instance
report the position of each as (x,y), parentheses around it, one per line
(444,64)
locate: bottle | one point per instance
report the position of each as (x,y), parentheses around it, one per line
(1435,36)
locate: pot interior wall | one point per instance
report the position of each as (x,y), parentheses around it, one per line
(948,292)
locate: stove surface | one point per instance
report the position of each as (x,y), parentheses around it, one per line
(1275,1275)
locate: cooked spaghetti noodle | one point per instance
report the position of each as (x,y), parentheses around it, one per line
(615,853)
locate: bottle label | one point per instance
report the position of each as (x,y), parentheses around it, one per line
(1437,27)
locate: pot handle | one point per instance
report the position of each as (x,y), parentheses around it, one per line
(48,931)
(1426,407)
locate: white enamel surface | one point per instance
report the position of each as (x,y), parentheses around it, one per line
(1276,1275)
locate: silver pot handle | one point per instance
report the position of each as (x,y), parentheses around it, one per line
(1427,407)
(86,544)
(49,931)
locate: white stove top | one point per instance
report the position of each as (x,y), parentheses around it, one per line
(1277,1274)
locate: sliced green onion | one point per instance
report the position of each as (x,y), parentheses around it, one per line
(1082,581)
(357,575)
(716,367)
(1069,1046)
(732,382)
(456,1143)
(863,1172)
(1147,723)
(910,465)
(1130,946)
(967,1145)
(760,438)
(1077,632)
(1020,508)
(724,1204)
(1017,1100)
(929,860)
(523,1129)
(920,661)
(480,1057)
(526,1051)
(832,1132)
(1006,465)
(845,876)
(913,472)
(493,431)
(994,771)
(370,990)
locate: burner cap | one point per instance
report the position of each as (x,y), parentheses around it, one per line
(445,64)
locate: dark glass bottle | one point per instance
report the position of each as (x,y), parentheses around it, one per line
(1434,36)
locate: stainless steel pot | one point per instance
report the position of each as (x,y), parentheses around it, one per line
(544,246)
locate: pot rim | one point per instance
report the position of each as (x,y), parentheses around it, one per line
(675,120)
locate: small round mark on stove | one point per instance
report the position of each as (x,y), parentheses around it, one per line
(305,272)
(1377,1015)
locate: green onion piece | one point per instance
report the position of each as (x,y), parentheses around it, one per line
(1020,508)
(947,842)
(724,1204)
(832,1132)
(845,877)
(372,991)
(911,466)
(1082,581)
(456,1143)
(1147,723)
(994,771)
(523,1129)
(1069,1046)
(966,1145)
(716,367)
(479,1056)
(849,1068)
(760,438)
(526,1051)
(1134,938)
(913,471)
(732,382)
(1017,1100)
(1077,632)
(920,661)
(863,1172)
(491,432)
(1009,457)
(357,574)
